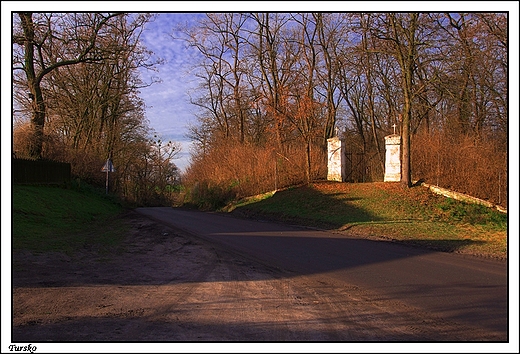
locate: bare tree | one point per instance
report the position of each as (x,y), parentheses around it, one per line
(288,74)
(49,42)
(332,31)
(401,32)
(475,71)
(218,38)
(367,54)
(92,106)
(268,46)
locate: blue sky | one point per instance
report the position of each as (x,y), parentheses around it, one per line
(167,102)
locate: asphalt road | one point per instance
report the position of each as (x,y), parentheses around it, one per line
(460,289)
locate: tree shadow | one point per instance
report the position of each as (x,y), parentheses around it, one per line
(349,217)
(446,245)
(274,250)
(325,211)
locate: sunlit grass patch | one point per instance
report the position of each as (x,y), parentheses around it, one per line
(390,211)
(246,201)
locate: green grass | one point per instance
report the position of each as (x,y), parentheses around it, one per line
(389,211)
(49,218)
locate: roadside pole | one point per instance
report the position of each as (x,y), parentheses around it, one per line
(108,167)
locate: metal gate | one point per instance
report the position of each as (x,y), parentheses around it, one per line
(362,167)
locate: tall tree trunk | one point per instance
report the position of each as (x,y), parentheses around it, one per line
(308,160)
(406,56)
(35,92)
(406,179)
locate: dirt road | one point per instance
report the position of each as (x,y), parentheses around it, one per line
(165,285)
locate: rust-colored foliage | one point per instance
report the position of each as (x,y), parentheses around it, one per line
(234,170)
(477,167)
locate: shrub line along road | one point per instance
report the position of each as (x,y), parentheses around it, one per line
(434,295)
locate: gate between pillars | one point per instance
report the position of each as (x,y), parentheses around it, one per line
(361,167)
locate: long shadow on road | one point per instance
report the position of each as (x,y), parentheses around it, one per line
(462,289)
(475,288)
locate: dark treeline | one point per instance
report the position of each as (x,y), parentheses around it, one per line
(275,86)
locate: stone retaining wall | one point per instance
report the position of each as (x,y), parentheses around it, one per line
(463,197)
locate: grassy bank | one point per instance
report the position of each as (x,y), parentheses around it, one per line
(387,211)
(47,218)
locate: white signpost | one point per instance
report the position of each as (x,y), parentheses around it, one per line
(108,167)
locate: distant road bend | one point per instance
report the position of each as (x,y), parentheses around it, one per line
(466,291)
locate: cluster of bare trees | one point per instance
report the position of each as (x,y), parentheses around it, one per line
(76,81)
(273,88)
(284,81)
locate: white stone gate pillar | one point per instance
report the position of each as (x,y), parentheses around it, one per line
(336,159)
(393,158)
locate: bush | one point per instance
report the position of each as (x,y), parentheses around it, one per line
(477,167)
(232,170)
